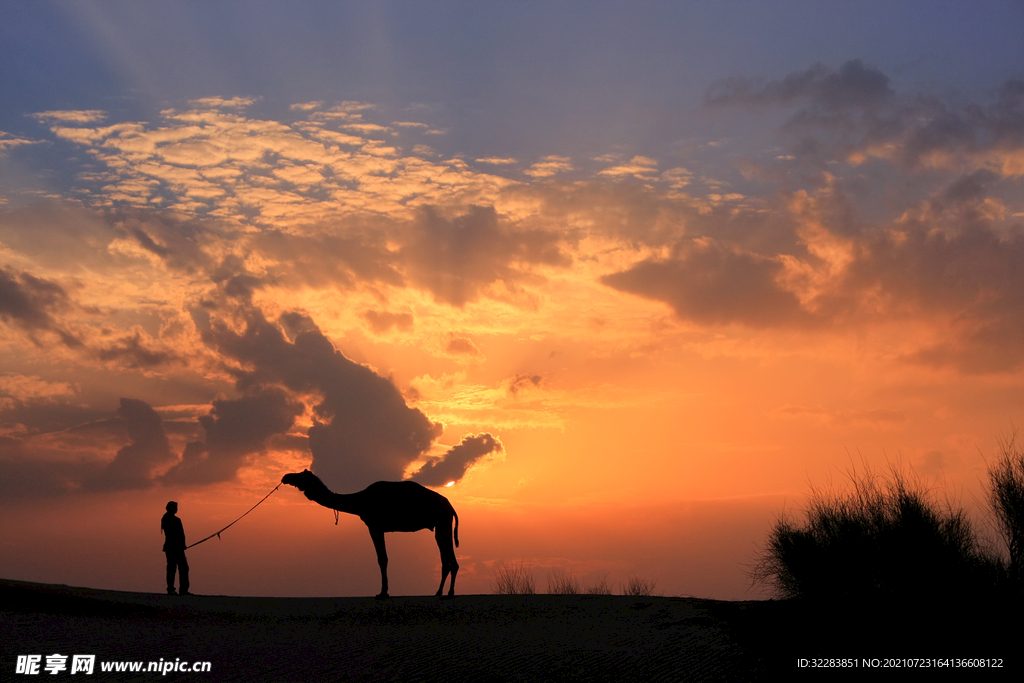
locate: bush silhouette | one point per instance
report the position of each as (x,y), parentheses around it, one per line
(1006,479)
(883,539)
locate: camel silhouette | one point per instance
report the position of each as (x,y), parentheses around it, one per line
(391,506)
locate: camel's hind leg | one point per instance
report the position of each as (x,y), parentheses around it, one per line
(382,560)
(443,536)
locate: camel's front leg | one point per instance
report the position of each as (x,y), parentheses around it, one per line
(382,559)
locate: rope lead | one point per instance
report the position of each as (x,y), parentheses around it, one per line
(217,533)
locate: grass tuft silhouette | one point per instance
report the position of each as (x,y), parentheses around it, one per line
(514,578)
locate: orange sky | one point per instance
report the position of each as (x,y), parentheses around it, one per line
(630,360)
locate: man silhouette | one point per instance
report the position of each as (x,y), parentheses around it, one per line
(174,548)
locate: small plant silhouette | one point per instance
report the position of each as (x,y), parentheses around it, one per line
(600,585)
(514,578)
(639,588)
(564,583)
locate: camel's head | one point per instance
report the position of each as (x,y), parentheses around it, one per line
(300,480)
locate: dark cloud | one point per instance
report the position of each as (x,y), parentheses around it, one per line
(178,242)
(452,465)
(455,258)
(235,430)
(853,110)
(969,187)
(708,282)
(521,382)
(66,460)
(930,126)
(328,260)
(234,279)
(24,475)
(971,277)
(31,303)
(133,352)
(383,321)
(363,429)
(853,85)
(133,465)
(460,346)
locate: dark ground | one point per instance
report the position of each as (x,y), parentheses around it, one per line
(484,638)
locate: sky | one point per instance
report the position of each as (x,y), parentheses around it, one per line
(631,279)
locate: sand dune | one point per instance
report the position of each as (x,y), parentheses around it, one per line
(484,638)
(470,638)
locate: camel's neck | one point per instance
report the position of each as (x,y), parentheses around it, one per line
(342,502)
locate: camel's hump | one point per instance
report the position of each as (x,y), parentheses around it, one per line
(407,487)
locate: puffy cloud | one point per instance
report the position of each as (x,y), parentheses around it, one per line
(709,282)
(31,303)
(853,85)
(521,382)
(637,167)
(460,346)
(455,258)
(133,352)
(8,141)
(27,476)
(452,466)
(235,430)
(134,464)
(853,114)
(971,278)
(72,116)
(363,430)
(223,103)
(383,321)
(549,166)
(64,459)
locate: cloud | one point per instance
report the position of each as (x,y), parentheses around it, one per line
(31,303)
(853,85)
(363,431)
(27,476)
(8,142)
(235,430)
(520,382)
(549,166)
(72,116)
(133,466)
(63,460)
(452,465)
(853,114)
(712,283)
(637,167)
(133,352)
(223,103)
(971,278)
(456,258)
(460,346)
(384,321)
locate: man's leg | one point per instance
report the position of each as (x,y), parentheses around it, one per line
(183,573)
(172,564)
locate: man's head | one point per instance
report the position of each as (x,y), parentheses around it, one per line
(172,507)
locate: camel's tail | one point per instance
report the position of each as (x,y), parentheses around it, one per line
(456,527)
